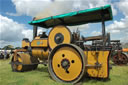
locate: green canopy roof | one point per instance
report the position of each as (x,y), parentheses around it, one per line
(76,18)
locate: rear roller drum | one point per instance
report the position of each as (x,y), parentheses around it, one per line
(67,63)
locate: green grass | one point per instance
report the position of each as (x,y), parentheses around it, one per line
(40,76)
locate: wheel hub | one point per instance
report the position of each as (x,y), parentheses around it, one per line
(59,38)
(65,64)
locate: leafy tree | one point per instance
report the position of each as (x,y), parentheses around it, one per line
(18,48)
(8,47)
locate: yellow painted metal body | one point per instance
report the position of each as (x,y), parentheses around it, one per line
(37,51)
(25,44)
(74,69)
(59,29)
(102,57)
(25,57)
(39,43)
(40,53)
(37,37)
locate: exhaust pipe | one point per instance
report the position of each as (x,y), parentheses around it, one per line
(34,31)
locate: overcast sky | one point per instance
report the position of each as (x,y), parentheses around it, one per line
(15,15)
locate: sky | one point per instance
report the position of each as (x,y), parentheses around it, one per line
(15,15)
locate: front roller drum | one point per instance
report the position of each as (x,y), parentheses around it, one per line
(18,63)
(67,63)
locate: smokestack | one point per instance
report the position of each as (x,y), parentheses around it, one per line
(34,30)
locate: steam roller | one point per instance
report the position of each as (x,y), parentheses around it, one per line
(120,57)
(118,54)
(67,54)
(67,63)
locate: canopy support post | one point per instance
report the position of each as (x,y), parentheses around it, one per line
(103,28)
(103,25)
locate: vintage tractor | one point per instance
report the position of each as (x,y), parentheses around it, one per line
(68,55)
(118,55)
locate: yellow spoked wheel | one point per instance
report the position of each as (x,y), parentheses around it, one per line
(23,62)
(67,63)
(59,34)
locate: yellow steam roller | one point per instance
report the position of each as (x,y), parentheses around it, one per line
(67,53)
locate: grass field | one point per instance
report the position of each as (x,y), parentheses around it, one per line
(40,76)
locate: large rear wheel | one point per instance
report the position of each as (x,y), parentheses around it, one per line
(67,63)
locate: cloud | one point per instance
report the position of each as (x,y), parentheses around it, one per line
(28,33)
(87,4)
(124,39)
(119,28)
(12,32)
(123,6)
(12,14)
(96,33)
(121,25)
(45,8)
(30,7)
